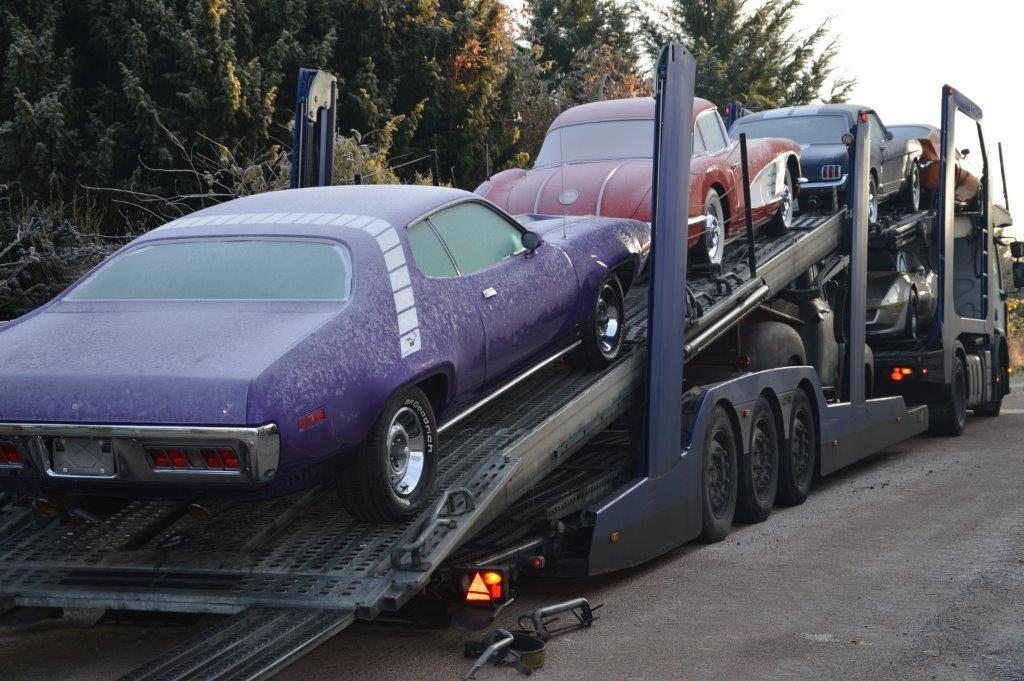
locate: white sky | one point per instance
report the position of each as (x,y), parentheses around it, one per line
(902,52)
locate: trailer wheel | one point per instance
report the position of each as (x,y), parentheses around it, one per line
(718,495)
(949,417)
(800,453)
(759,466)
(604,332)
(783,218)
(392,475)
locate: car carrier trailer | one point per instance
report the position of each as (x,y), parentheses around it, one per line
(585,473)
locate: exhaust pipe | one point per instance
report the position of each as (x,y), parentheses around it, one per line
(206,510)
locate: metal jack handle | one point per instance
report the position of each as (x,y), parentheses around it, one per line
(497,641)
(540,618)
(445,510)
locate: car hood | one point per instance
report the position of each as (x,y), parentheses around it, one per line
(608,188)
(878,285)
(134,362)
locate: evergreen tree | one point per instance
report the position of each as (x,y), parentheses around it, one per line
(564,28)
(752,56)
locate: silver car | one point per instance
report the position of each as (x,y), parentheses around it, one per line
(902,294)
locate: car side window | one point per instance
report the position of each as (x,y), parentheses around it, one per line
(711,131)
(877,131)
(697,146)
(429,253)
(476,236)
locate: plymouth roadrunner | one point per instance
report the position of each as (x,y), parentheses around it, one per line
(293,338)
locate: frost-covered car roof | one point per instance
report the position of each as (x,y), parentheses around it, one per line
(848,110)
(318,210)
(633,108)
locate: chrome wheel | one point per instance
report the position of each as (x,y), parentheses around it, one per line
(407,445)
(786,204)
(714,227)
(915,187)
(608,319)
(872,202)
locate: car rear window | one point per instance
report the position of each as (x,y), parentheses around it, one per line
(821,129)
(222,269)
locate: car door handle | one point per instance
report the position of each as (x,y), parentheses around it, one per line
(489,293)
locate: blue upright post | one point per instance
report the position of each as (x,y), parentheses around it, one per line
(667,305)
(313,139)
(854,369)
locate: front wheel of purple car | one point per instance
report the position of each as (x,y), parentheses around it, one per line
(392,474)
(603,333)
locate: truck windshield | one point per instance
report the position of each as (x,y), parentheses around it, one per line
(223,269)
(597,141)
(823,129)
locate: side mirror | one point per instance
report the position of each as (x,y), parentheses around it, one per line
(1017,249)
(1018,275)
(847,138)
(920,269)
(889,136)
(531,241)
(964,152)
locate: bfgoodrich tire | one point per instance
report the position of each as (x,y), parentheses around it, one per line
(392,475)
(603,334)
(718,495)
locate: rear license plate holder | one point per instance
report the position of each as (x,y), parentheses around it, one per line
(83,457)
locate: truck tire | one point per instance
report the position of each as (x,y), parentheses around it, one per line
(603,333)
(995,405)
(392,474)
(949,416)
(718,488)
(800,453)
(759,466)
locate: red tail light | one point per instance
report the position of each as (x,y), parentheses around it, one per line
(229,458)
(10,455)
(194,458)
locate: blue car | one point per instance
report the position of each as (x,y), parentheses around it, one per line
(819,130)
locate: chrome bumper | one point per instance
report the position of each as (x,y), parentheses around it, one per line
(825,184)
(259,450)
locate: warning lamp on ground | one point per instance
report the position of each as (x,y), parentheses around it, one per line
(899,373)
(483,586)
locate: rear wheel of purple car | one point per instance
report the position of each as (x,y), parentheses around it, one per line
(603,333)
(392,475)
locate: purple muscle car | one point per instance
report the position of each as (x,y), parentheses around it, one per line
(283,340)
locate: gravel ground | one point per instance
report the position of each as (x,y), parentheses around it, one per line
(907,565)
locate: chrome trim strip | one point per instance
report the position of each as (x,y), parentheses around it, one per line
(259,449)
(505,388)
(820,185)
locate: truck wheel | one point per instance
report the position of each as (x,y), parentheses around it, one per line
(910,197)
(759,467)
(995,405)
(718,494)
(711,245)
(392,474)
(950,416)
(800,454)
(783,218)
(603,333)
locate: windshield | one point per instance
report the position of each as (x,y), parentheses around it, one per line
(220,269)
(824,129)
(598,141)
(910,132)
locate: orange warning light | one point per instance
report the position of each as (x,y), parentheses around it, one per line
(477,591)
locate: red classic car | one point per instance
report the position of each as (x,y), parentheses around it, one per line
(596,160)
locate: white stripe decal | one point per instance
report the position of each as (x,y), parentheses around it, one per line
(404,299)
(394,258)
(388,239)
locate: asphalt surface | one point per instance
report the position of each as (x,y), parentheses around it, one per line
(907,565)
